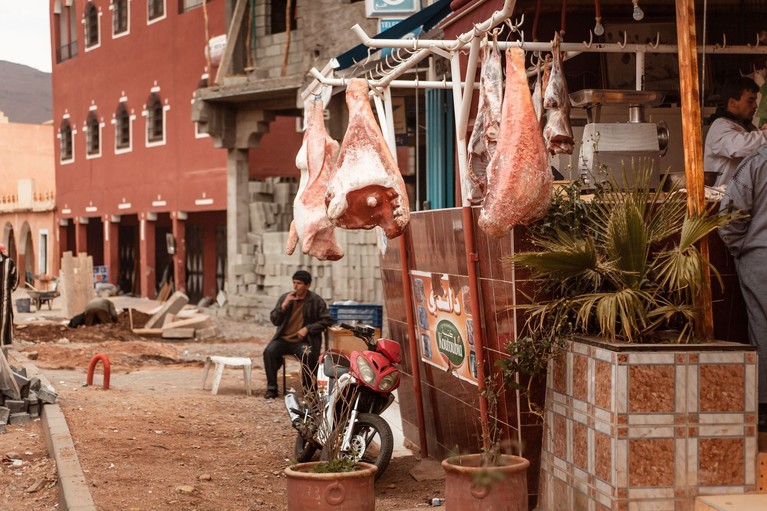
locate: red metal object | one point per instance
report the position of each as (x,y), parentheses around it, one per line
(95,360)
(414,358)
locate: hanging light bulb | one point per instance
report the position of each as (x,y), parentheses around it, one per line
(638,12)
(598,28)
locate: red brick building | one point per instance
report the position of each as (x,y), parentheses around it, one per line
(136,179)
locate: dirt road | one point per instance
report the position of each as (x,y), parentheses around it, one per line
(155,440)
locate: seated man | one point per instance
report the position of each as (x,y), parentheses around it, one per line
(301,317)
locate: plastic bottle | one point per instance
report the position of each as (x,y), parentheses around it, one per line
(436,501)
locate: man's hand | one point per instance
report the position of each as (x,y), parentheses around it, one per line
(303,333)
(288,300)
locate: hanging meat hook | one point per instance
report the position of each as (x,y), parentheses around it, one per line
(591,40)
(625,40)
(724,43)
(757,42)
(657,41)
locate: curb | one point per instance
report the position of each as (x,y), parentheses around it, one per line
(74,494)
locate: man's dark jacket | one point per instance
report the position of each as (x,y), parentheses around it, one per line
(316,318)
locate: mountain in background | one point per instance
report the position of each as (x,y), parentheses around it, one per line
(25,94)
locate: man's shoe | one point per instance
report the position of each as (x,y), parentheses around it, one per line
(271,394)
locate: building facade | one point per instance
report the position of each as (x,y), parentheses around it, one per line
(140,189)
(27,199)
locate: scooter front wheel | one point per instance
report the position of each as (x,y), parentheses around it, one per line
(371,441)
(304,450)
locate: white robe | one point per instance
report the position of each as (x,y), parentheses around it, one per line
(727,143)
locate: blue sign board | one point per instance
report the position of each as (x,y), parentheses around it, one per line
(385,7)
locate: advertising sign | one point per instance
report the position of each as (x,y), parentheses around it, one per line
(444,323)
(386,7)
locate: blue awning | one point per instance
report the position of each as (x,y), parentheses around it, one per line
(425,18)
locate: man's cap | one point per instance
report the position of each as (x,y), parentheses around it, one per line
(303,276)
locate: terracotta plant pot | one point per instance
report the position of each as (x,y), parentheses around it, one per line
(471,487)
(338,491)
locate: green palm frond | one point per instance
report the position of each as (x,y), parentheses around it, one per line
(563,257)
(626,242)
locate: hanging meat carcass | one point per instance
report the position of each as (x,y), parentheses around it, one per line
(519,180)
(316,160)
(558,135)
(367,189)
(487,124)
(538,93)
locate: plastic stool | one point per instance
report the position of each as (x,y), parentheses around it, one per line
(221,362)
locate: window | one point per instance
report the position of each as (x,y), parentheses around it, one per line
(122,128)
(278,15)
(155,119)
(65,141)
(119,16)
(91,25)
(155,9)
(65,30)
(93,135)
(188,5)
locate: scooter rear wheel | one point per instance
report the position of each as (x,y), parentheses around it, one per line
(304,450)
(372,442)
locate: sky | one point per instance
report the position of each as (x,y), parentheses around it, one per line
(25,33)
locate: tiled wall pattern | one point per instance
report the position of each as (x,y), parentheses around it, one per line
(435,243)
(633,430)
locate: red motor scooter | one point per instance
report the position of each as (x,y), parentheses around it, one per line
(342,415)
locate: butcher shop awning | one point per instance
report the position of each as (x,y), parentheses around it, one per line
(425,18)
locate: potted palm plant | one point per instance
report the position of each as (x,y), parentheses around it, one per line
(631,403)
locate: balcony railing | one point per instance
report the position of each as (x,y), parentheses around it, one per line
(66,52)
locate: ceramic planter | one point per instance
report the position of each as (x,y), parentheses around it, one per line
(338,491)
(471,487)
(648,427)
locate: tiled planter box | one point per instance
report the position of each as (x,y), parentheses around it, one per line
(648,428)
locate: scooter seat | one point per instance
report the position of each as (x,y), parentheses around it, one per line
(335,365)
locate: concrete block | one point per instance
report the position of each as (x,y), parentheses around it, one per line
(174,304)
(5,412)
(33,405)
(242,269)
(23,382)
(16,406)
(34,383)
(206,333)
(47,395)
(19,418)
(249,278)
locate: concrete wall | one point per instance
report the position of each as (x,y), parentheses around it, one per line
(263,271)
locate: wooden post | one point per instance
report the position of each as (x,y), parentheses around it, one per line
(693,143)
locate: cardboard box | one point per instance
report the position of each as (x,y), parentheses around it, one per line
(344,340)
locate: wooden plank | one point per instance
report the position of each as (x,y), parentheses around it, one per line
(177,333)
(174,304)
(199,321)
(148,332)
(235,28)
(761,471)
(693,143)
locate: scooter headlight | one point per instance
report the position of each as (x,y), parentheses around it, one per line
(366,372)
(389,381)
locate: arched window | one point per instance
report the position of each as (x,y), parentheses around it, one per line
(65,141)
(122,127)
(93,135)
(91,25)
(119,16)
(155,119)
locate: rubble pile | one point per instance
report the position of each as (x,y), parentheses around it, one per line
(26,405)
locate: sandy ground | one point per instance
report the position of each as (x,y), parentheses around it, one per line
(156,440)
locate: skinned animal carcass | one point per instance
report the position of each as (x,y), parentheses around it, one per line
(367,189)
(316,160)
(519,180)
(558,135)
(487,124)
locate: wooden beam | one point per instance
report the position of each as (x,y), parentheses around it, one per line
(693,143)
(235,27)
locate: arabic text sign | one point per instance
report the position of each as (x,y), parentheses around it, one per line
(445,324)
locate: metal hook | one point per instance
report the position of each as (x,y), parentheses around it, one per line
(591,39)
(625,40)
(757,42)
(657,41)
(724,42)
